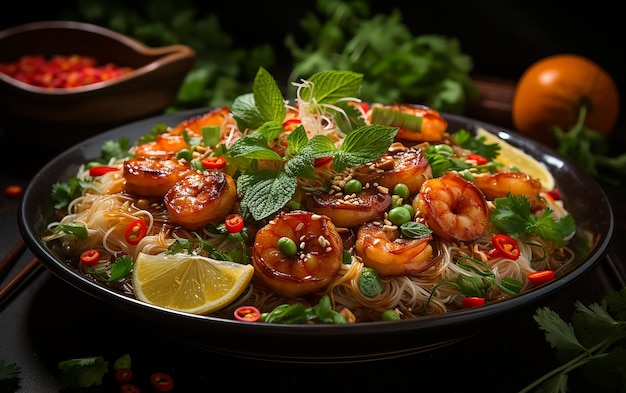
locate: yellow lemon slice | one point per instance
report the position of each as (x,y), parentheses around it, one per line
(511,156)
(189,283)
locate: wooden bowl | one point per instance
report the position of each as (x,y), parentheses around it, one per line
(67,115)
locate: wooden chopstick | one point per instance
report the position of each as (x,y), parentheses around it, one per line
(19,278)
(11,258)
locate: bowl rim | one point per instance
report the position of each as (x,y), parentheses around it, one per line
(166,55)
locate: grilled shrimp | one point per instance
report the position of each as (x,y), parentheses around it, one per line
(193,126)
(201,198)
(400,165)
(453,208)
(430,127)
(165,146)
(349,210)
(153,177)
(314,265)
(390,254)
(498,185)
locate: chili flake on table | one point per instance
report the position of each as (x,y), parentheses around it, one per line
(61,71)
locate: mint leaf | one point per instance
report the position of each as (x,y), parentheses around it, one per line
(268,97)
(265,192)
(245,112)
(329,86)
(364,145)
(252,146)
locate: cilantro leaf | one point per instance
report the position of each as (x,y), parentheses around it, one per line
(122,267)
(83,372)
(66,191)
(512,215)
(9,371)
(476,144)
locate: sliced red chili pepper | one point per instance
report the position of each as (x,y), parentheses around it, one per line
(101,170)
(506,246)
(161,382)
(135,231)
(123,375)
(217,162)
(555,194)
(247,314)
(321,161)
(13,190)
(129,388)
(473,301)
(290,122)
(90,257)
(541,277)
(480,160)
(234,223)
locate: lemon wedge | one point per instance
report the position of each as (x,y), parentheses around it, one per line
(511,156)
(189,283)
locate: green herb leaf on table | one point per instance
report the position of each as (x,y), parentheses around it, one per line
(83,372)
(593,344)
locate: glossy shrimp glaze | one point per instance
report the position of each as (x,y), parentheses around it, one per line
(315,263)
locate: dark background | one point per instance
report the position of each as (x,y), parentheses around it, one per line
(503,38)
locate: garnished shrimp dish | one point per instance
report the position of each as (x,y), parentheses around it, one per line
(321,209)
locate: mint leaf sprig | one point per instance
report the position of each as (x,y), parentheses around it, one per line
(265,191)
(593,343)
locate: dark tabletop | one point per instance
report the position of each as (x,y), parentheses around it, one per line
(48,321)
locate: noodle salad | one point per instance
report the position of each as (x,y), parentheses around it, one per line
(347,211)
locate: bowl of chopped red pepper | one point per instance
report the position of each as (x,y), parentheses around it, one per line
(66,81)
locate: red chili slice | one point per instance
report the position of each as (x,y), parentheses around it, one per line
(135,231)
(129,388)
(13,190)
(541,277)
(506,246)
(101,170)
(90,257)
(217,162)
(247,314)
(473,301)
(234,223)
(161,382)
(123,375)
(480,160)
(321,161)
(290,122)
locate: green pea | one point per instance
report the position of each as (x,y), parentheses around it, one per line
(401,190)
(352,186)
(370,283)
(287,246)
(410,209)
(390,315)
(399,215)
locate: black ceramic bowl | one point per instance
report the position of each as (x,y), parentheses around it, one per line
(322,343)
